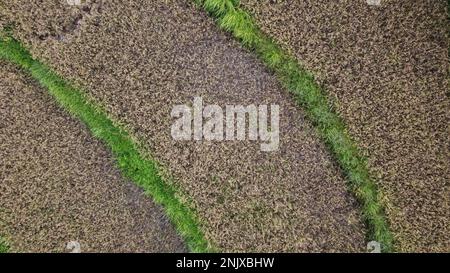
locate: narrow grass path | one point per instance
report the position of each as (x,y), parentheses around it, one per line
(142,171)
(312,98)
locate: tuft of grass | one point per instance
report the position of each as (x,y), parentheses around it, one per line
(4,248)
(133,165)
(312,98)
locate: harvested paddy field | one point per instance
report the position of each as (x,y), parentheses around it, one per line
(360,153)
(59,184)
(139,59)
(386,67)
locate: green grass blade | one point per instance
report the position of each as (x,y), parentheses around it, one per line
(4,248)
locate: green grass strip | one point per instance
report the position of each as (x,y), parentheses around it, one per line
(319,110)
(133,165)
(4,248)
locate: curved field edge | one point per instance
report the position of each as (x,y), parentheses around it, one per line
(133,165)
(312,98)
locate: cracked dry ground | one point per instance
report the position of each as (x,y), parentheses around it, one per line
(140,58)
(387,69)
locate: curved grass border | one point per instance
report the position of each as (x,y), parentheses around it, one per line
(319,110)
(132,164)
